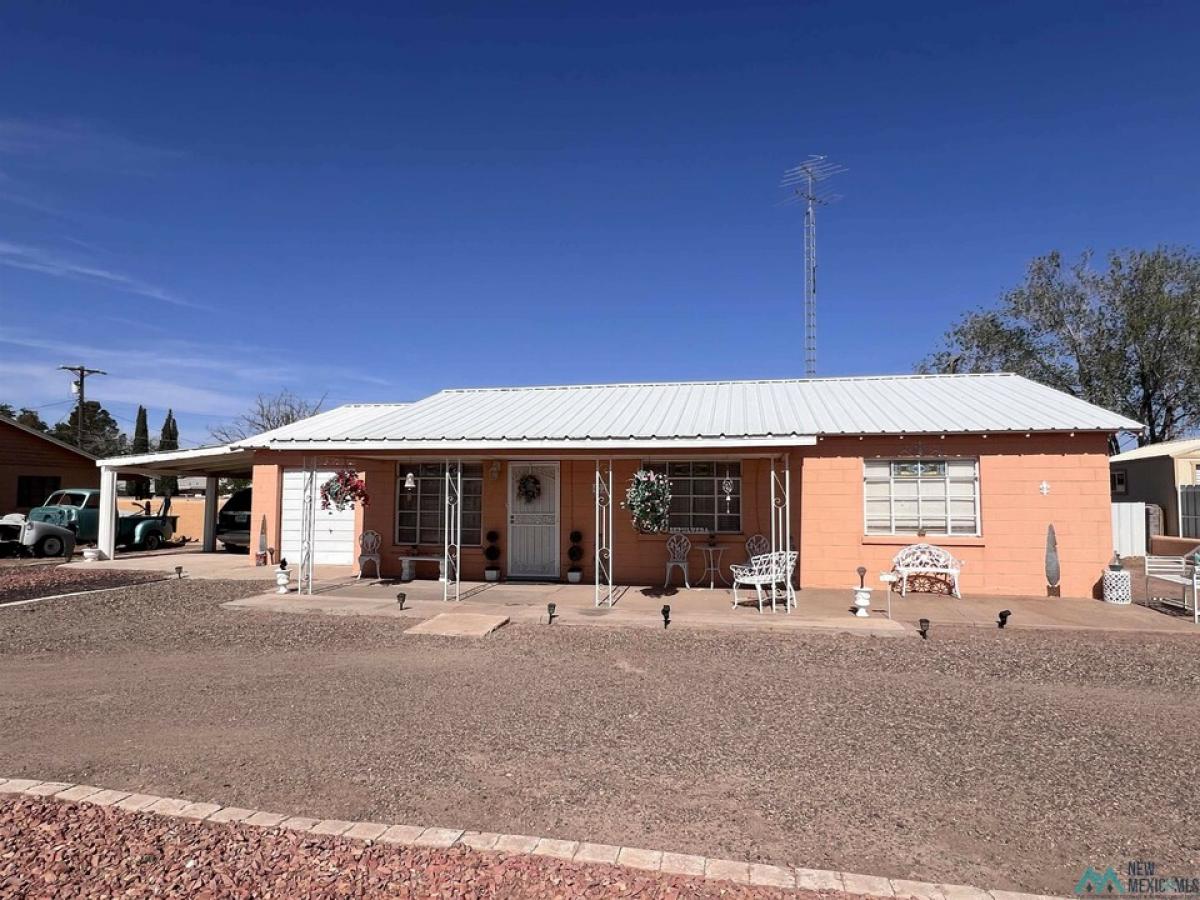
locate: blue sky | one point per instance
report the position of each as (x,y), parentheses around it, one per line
(377,201)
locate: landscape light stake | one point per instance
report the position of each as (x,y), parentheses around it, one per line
(666,614)
(179,571)
(923,629)
(550,613)
(1003,620)
(401,597)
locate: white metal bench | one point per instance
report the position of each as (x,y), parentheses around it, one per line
(926,560)
(1177,570)
(767,570)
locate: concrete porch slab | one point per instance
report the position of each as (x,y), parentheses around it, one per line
(460,624)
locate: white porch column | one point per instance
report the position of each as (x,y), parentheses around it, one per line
(106,528)
(211,486)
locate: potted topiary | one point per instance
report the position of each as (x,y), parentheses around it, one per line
(575,554)
(492,553)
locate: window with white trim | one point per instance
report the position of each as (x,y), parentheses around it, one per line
(706,496)
(936,496)
(421,512)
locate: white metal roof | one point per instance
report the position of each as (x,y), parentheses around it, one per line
(1174,449)
(709,413)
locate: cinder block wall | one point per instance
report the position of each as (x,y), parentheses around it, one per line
(1009,556)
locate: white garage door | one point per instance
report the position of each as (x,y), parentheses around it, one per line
(334,545)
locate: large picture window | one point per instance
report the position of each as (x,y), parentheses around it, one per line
(421,512)
(698,495)
(937,496)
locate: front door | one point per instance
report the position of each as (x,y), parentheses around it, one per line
(533,520)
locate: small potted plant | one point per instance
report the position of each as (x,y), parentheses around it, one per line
(492,553)
(575,554)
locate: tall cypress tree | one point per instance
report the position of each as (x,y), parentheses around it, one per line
(168,439)
(141,444)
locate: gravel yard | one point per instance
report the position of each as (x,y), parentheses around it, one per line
(26,579)
(1006,759)
(112,852)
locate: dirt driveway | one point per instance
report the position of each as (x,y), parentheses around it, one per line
(1004,759)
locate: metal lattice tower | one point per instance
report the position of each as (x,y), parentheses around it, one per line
(803,182)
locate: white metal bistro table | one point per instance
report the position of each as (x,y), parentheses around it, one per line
(712,565)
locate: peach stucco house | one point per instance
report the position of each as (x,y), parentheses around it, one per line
(853,468)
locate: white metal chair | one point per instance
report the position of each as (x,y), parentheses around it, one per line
(757,545)
(767,570)
(368,551)
(678,548)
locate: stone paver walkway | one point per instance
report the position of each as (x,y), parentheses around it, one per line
(632,857)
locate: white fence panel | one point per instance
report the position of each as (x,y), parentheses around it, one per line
(1129,528)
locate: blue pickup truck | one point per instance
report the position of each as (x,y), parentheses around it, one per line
(78,510)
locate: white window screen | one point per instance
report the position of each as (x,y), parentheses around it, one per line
(937,496)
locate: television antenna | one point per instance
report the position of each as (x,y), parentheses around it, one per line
(804,182)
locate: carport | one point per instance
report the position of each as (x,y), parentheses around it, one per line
(211,463)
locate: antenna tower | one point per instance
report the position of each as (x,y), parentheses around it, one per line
(804,184)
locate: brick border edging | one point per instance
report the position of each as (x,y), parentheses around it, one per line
(756,874)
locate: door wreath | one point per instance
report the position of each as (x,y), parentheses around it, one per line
(529,488)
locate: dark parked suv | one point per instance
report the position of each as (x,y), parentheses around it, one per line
(233,521)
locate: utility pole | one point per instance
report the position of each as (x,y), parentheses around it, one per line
(802,181)
(77,387)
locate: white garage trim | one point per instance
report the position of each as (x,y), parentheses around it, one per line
(333,536)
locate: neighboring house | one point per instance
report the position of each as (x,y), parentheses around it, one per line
(34,465)
(854,468)
(1154,474)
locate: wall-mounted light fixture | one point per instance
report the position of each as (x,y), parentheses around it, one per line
(410,482)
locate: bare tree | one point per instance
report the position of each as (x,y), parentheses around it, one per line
(267,413)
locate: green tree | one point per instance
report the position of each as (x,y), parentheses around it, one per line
(139,485)
(30,419)
(25,416)
(101,434)
(168,439)
(1125,337)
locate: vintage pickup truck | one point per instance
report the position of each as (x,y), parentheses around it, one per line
(78,509)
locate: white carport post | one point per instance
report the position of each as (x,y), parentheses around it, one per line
(211,484)
(106,528)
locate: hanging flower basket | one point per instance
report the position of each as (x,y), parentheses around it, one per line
(343,490)
(648,500)
(529,488)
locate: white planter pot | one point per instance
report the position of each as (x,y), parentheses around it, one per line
(491,574)
(862,601)
(574,577)
(283,578)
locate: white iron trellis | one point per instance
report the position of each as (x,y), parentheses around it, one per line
(308,527)
(781,519)
(453,529)
(603,563)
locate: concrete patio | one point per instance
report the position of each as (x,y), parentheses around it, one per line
(817,609)
(198,563)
